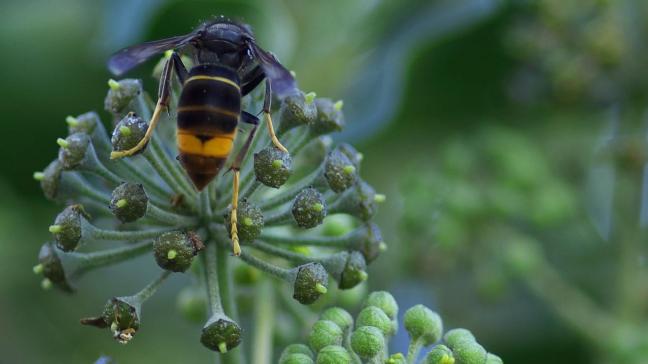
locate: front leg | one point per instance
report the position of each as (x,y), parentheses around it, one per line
(164,91)
(236,167)
(268,117)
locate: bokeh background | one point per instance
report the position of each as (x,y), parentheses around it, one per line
(508,136)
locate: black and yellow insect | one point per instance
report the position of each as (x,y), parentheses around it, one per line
(229,64)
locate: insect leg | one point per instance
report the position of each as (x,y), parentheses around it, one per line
(164,90)
(236,167)
(268,118)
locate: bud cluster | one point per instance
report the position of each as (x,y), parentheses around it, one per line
(145,205)
(337,338)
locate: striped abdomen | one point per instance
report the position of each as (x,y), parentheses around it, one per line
(208,112)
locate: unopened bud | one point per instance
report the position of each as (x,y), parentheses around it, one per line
(328,120)
(423,324)
(309,208)
(367,341)
(221,334)
(333,354)
(51,178)
(67,227)
(249,221)
(128,132)
(339,171)
(325,333)
(296,110)
(339,316)
(52,268)
(185,245)
(272,166)
(129,202)
(384,301)
(73,150)
(122,95)
(440,354)
(311,281)
(354,271)
(84,123)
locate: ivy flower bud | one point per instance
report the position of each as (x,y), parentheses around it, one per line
(384,301)
(296,358)
(440,354)
(67,227)
(493,359)
(311,281)
(359,201)
(354,271)
(297,349)
(175,250)
(375,317)
(122,95)
(84,123)
(121,315)
(249,221)
(329,119)
(73,150)
(339,316)
(129,202)
(367,341)
(371,243)
(192,304)
(50,179)
(272,166)
(309,208)
(469,352)
(221,334)
(296,110)
(325,333)
(339,171)
(354,156)
(397,358)
(423,324)
(51,267)
(128,132)
(455,336)
(333,354)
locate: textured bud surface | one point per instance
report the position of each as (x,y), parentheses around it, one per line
(424,324)
(67,227)
(384,301)
(341,317)
(310,283)
(440,354)
(340,172)
(122,95)
(128,132)
(249,221)
(325,333)
(73,150)
(354,271)
(272,167)
(129,202)
(175,251)
(309,208)
(375,317)
(367,341)
(221,334)
(333,354)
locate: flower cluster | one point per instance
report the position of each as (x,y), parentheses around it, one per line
(336,339)
(145,205)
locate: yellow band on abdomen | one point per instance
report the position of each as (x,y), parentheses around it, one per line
(218,146)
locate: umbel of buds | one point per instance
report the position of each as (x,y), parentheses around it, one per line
(335,338)
(145,205)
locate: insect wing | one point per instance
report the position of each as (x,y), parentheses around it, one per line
(282,82)
(124,60)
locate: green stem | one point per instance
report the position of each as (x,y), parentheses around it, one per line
(283,253)
(279,218)
(173,167)
(95,233)
(329,241)
(227,298)
(85,262)
(211,278)
(149,183)
(158,214)
(205,205)
(153,160)
(264,317)
(281,273)
(413,350)
(152,287)
(79,184)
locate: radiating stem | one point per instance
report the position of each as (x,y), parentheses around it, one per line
(281,273)
(152,287)
(289,193)
(96,233)
(173,167)
(86,262)
(413,350)
(156,213)
(211,278)
(329,241)
(279,218)
(264,318)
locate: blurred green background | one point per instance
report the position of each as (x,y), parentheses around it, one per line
(508,136)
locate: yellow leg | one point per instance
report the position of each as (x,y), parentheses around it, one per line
(273,136)
(236,248)
(149,133)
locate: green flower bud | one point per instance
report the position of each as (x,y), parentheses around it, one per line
(311,281)
(122,96)
(397,358)
(73,150)
(128,132)
(309,208)
(175,250)
(272,166)
(493,359)
(359,201)
(67,227)
(469,352)
(455,336)
(121,315)
(371,243)
(84,123)
(328,120)
(367,341)
(249,221)
(295,111)
(325,333)
(333,354)
(51,267)
(440,354)
(354,271)
(338,225)
(129,202)
(423,324)
(339,171)
(221,334)
(350,152)
(192,304)
(295,358)
(297,349)
(384,301)
(51,179)
(375,317)
(338,315)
